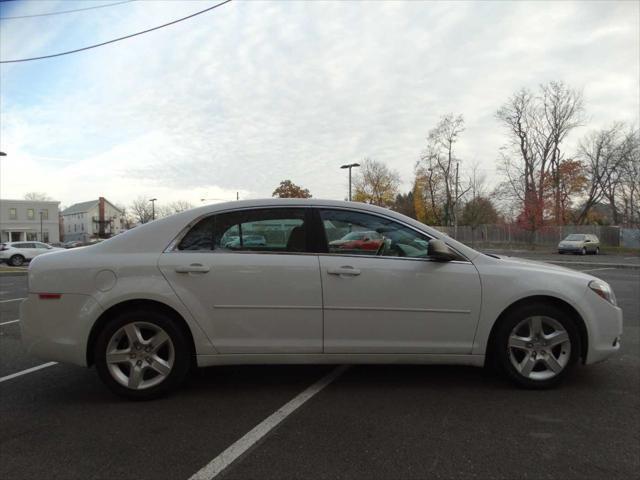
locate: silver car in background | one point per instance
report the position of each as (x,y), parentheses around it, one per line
(581,243)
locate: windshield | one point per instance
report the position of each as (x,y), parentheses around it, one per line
(575,237)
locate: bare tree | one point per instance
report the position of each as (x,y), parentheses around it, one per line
(141,210)
(439,167)
(375,183)
(562,110)
(179,206)
(37,197)
(629,191)
(611,158)
(537,126)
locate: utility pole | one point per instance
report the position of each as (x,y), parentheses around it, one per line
(237,196)
(153,208)
(41,235)
(350,166)
(455,205)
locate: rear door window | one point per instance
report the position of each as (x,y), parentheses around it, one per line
(260,230)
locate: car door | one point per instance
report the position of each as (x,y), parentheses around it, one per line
(395,299)
(40,248)
(28,250)
(262,297)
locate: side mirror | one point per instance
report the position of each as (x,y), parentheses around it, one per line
(439,251)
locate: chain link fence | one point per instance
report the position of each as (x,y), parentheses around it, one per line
(509,234)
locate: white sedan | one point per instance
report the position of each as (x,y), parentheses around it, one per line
(17,253)
(147,306)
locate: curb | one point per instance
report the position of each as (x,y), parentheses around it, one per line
(17,272)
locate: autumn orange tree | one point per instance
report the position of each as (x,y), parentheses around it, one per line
(568,182)
(288,189)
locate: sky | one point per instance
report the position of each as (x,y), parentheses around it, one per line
(255,92)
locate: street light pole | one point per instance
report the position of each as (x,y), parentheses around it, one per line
(350,166)
(153,208)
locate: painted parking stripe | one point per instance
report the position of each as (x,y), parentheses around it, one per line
(12,300)
(10,321)
(27,371)
(226,458)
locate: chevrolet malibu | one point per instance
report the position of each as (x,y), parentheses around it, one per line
(151,304)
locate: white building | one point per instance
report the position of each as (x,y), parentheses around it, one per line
(93,219)
(29,220)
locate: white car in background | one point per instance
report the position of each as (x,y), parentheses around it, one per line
(147,306)
(17,253)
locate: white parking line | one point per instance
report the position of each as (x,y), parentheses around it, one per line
(10,321)
(598,269)
(12,300)
(28,370)
(226,458)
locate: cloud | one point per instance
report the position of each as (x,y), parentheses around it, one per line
(253,93)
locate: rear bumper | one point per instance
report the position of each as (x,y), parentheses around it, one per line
(58,329)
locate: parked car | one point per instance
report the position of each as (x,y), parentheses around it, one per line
(147,306)
(73,244)
(247,241)
(361,240)
(580,243)
(17,253)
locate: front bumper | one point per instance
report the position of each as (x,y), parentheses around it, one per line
(570,249)
(604,325)
(58,329)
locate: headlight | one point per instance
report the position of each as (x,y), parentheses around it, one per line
(604,290)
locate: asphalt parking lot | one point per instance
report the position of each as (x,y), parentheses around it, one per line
(369,422)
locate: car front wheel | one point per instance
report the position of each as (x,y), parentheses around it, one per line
(537,345)
(142,354)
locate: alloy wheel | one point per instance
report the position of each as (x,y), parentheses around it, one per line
(539,348)
(140,355)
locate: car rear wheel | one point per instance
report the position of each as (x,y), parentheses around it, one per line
(583,251)
(142,354)
(537,345)
(16,260)
(596,251)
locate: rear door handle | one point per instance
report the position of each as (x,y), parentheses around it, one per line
(345,270)
(193,268)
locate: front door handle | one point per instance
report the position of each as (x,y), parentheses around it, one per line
(193,268)
(344,270)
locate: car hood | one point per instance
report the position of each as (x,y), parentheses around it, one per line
(527,263)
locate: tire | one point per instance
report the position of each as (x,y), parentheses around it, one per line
(583,251)
(159,366)
(560,252)
(596,251)
(533,361)
(16,260)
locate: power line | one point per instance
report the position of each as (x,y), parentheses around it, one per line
(116,39)
(67,11)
